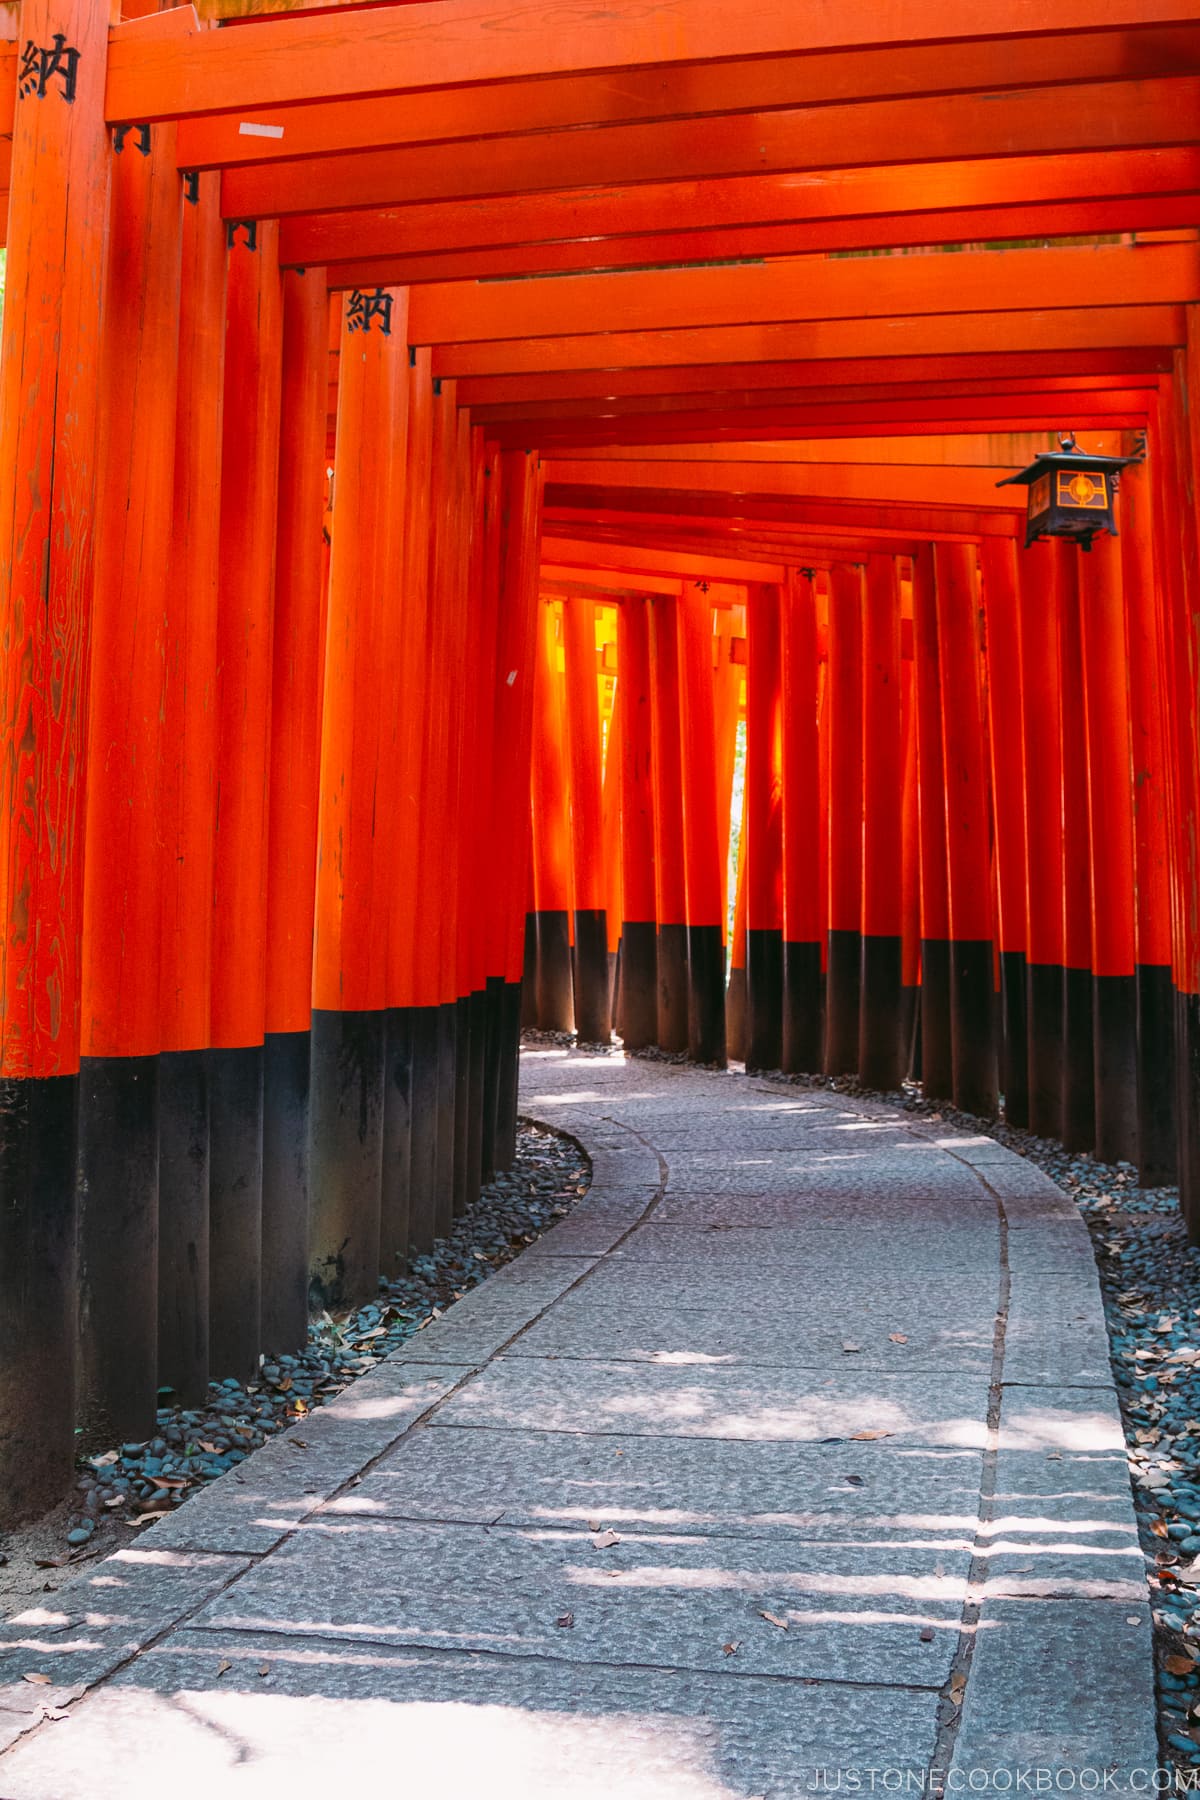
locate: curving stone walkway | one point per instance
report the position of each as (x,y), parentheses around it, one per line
(791,1455)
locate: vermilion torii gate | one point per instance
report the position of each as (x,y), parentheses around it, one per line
(287,431)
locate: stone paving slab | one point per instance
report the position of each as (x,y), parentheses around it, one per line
(940,1328)
(1061,1685)
(865,1491)
(846,1612)
(764,1404)
(326,1713)
(380,1588)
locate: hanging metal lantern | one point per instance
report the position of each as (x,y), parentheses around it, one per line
(1071,494)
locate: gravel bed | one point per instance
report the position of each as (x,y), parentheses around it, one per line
(130,1484)
(1150,1282)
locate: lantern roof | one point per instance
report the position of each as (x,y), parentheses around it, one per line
(1070,457)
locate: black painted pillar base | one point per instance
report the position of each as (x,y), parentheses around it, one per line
(614,987)
(477,1012)
(639,984)
(423,1125)
(937,1038)
(803,1009)
(735,1015)
(764,999)
(706,994)
(493,997)
(183,1224)
(1044,990)
(842,998)
(287,1059)
(37,1293)
(235,1167)
(593,1022)
(118,1248)
(507,1097)
(880,1041)
(1187,1065)
(555,987)
(394,1223)
(347,1158)
(1078,1063)
(910,1033)
(529,1017)
(1014,1036)
(972,1026)
(671,957)
(1156,1080)
(446,1118)
(462,1104)
(1114,1023)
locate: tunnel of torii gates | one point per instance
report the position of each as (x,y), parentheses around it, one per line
(430,435)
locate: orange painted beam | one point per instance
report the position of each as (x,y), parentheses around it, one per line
(911,520)
(1081,218)
(921,486)
(675,384)
(833,529)
(443,43)
(1107,115)
(1080,327)
(838,200)
(443,114)
(620,559)
(807,288)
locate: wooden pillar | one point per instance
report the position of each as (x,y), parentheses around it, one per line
(702,862)
(669,900)
(249,496)
(551,833)
(1078,1076)
(521,478)
(1041,705)
(879,1057)
(910,851)
(845,819)
(1110,816)
(49,396)
(410,1119)
(188,804)
(1148,737)
(735,993)
(296,701)
(763,794)
(802,911)
(614,885)
(1175,492)
(967,849)
(590,960)
(1006,744)
(353,877)
(937,1059)
(639,961)
(122,893)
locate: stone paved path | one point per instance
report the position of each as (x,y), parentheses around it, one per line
(792,1453)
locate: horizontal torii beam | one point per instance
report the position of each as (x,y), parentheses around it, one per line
(556,103)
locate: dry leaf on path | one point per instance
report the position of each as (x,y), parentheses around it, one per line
(730,1649)
(605,1540)
(866,1437)
(850,1347)
(223,1666)
(774,1619)
(897,1337)
(1179,1665)
(37,1678)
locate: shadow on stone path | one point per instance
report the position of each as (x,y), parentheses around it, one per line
(792,1454)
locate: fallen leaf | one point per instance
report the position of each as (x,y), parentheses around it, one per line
(209,1449)
(774,1619)
(1159,1527)
(855,1481)
(897,1337)
(265,1669)
(864,1437)
(106,1461)
(168,1481)
(594,1525)
(605,1540)
(37,1678)
(927,1634)
(850,1347)
(117,1500)
(223,1666)
(1179,1665)
(958,1687)
(298,1443)
(729,1649)
(566,1620)
(148,1518)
